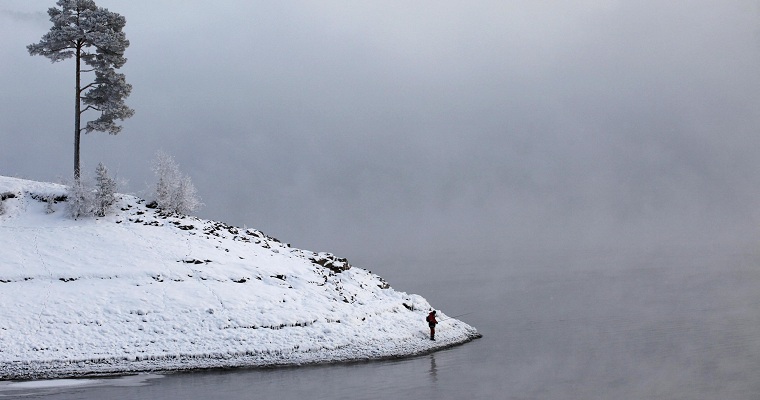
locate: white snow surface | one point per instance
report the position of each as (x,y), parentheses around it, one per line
(140,291)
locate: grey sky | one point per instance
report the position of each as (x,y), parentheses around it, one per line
(396,129)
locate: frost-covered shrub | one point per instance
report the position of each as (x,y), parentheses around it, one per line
(79,199)
(84,200)
(175,191)
(2,207)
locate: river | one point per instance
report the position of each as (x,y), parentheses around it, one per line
(666,324)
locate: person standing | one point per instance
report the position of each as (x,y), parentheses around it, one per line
(432,322)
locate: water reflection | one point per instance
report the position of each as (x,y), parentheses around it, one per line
(51,387)
(433,369)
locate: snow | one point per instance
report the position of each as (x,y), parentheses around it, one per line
(51,383)
(35,388)
(140,291)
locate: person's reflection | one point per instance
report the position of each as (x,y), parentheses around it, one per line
(433,369)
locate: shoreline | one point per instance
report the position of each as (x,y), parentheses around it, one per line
(109,367)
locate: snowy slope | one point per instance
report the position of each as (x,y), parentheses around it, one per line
(140,291)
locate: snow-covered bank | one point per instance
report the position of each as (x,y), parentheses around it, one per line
(141,291)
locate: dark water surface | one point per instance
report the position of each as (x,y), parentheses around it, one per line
(668,324)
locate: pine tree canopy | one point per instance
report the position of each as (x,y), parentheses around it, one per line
(80,25)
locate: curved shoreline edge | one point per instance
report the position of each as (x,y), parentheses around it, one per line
(361,352)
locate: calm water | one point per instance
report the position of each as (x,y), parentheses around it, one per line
(673,324)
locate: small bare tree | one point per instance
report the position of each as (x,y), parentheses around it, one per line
(175,191)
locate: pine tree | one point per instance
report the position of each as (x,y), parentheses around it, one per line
(93,36)
(105,189)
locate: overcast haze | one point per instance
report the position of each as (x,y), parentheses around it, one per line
(405,129)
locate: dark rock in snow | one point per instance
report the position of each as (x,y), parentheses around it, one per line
(331,262)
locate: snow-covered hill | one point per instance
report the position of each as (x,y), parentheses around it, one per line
(141,291)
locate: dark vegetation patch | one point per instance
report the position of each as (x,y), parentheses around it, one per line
(195,261)
(49,198)
(7,195)
(299,324)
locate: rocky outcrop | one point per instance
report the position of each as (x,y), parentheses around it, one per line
(330,261)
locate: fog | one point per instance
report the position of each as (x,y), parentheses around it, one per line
(423,130)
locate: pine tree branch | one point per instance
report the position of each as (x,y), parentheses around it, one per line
(108,52)
(90,107)
(63,48)
(89,85)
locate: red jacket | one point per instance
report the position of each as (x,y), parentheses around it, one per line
(431,319)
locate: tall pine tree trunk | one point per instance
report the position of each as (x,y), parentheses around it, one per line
(77,113)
